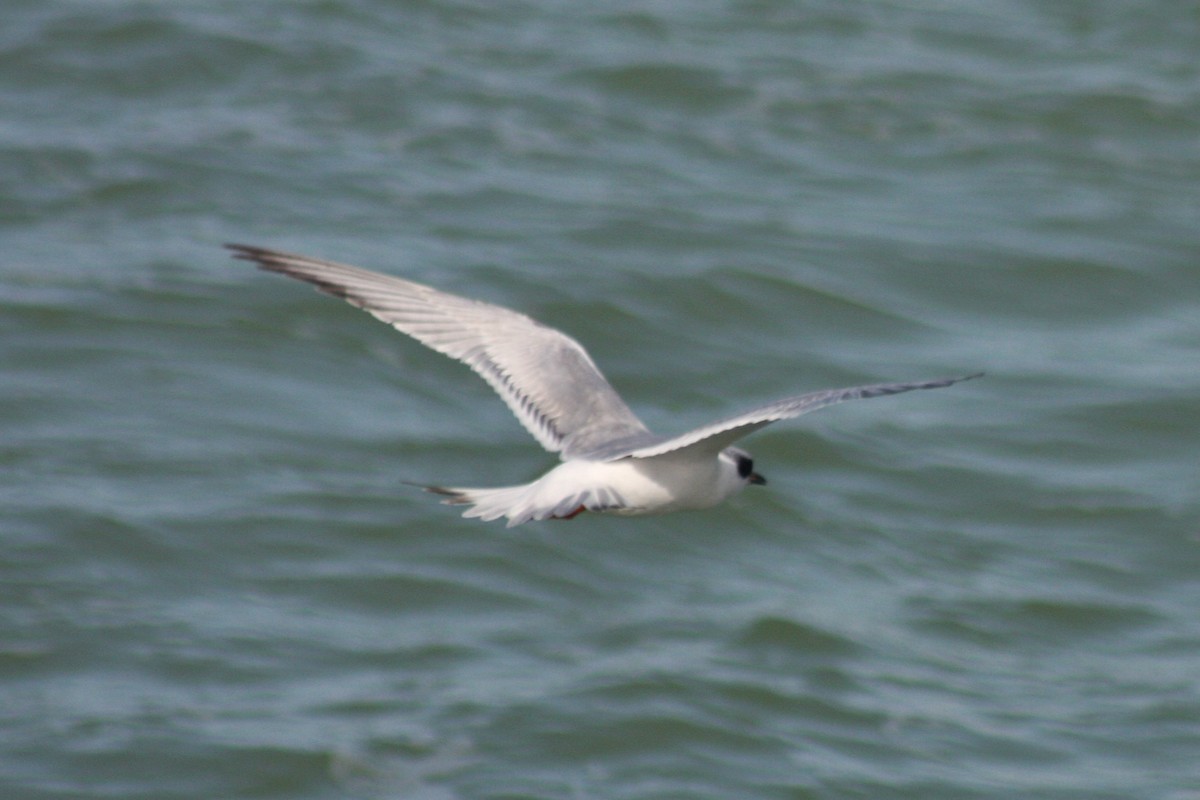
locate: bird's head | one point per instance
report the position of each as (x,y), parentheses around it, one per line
(745,466)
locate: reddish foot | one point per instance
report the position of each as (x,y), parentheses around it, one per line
(574,513)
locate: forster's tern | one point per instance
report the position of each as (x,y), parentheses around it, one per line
(612,463)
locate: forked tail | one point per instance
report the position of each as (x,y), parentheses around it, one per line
(518,503)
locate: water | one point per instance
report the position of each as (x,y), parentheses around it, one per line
(215,585)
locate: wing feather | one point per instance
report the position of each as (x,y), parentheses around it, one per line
(716,436)
(544,376)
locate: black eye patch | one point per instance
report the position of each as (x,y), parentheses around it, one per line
(745,466)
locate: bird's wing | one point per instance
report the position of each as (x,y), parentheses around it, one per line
(545,376)
(716,436)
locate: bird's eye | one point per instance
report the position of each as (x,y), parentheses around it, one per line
(745,466)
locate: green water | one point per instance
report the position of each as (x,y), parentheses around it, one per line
(213,583)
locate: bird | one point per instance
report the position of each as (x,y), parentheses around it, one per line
(611,462)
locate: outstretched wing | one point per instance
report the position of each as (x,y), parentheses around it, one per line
(545,376)
(716,436)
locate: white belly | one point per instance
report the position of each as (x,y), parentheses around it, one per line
(644,486)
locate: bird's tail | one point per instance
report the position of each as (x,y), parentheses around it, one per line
(517,503)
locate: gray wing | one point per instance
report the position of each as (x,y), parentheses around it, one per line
(718,435)
(545,376)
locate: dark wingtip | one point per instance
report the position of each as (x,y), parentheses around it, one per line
(262,256)
(294,266)
(242,250)
(938,384)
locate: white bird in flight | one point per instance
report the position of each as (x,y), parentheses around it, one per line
(611,462)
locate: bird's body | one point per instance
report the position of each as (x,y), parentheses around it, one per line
(626,486)
(611,462)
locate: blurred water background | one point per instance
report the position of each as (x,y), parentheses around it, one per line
(213,583)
